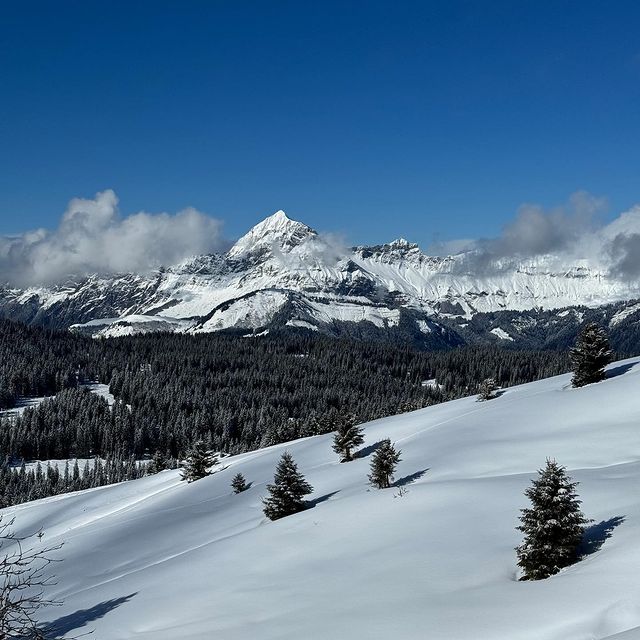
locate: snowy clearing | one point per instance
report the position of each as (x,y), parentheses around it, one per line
(501,333)
(21,406)
(30,403)
(159,559)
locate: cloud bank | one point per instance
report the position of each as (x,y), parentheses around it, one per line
(569,235)
(93,237)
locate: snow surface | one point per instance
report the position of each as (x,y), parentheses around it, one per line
(160,559)
(278,229)
(501,333)
(625,313)
(101,390)
(129,325)
(423,325)
(22,405)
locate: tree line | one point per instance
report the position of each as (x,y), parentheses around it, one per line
(19,484)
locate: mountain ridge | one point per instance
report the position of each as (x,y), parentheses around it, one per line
(283,271)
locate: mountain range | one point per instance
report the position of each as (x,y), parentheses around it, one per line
(283,274)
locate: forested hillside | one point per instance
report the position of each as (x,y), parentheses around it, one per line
(236,393)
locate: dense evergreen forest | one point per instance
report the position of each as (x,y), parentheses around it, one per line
(21,485)
(235,393)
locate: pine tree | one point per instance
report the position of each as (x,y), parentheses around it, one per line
(288,488)
(198,463)
(348,436)
(383,464)
(554,525)
(239,483)
(488,388)
(590,355)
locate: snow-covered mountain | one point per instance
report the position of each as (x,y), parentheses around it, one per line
(160,559)
(283,273)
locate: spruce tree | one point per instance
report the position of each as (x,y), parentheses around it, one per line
(239,483)
(554,525)
(590,355)
(348,436)
(383,464)
(488,388)
(198,463)
(287,491)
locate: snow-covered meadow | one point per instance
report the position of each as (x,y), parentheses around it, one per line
(25,403)
(160,559)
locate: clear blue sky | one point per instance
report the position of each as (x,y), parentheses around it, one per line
(377,119)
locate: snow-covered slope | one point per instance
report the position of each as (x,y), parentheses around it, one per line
(160,559)
(282,272)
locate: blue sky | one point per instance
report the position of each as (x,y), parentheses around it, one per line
(374,119)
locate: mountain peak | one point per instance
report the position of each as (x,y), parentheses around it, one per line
(277,230)
(402,243)
(279,215)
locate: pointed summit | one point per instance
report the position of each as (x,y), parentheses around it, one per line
(278,215)
(278,230)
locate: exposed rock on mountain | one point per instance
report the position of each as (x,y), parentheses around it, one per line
(283,273)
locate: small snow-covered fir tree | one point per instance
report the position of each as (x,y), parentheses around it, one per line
(590,355)
(487,390)
(348,436)
(239,483)
(198,463)
(383,464)
(554,525)
(287,491)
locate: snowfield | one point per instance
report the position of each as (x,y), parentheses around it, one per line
(159,559)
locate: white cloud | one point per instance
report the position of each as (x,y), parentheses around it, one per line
(536,231)
(565,236)
(451,247)
(92,237)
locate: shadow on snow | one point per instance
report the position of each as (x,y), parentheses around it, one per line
(80,618)
(321,499)
(412,477)
(619,370)
(367,451)
(597,534)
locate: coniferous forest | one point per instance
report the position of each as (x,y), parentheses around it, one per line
(235,393)
(232,392)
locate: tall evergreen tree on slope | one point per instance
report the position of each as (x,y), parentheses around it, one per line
(383,464)
(590,355)
(349,435)
(239,483)
(198,463)
(554,525)
(287,491)
(487,389)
